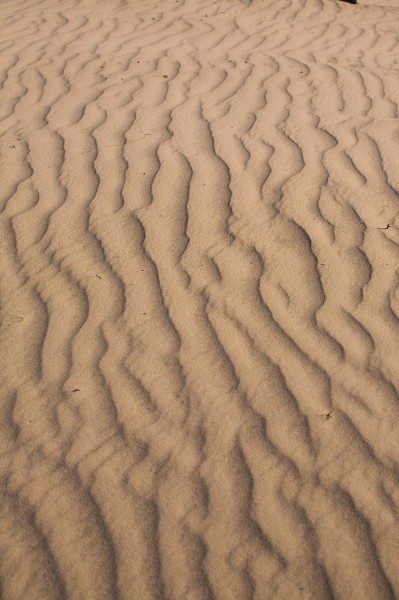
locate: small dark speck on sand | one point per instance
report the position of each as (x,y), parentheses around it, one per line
(76,390)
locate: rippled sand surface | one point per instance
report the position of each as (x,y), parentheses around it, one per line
(199,303)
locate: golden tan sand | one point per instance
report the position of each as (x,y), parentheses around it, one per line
(199,319)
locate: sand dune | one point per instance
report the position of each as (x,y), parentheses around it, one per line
(199,319)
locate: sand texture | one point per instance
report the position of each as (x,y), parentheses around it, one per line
(199,300)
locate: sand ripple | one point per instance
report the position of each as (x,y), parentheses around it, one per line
(199,317)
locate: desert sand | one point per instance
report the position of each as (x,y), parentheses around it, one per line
(199,301)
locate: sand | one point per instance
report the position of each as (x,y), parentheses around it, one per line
(199,302)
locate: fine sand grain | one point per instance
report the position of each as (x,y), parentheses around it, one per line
(199,300)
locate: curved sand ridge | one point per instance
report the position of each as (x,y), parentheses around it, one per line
(199,300)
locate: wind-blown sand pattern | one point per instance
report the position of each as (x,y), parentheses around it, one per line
(199,320)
